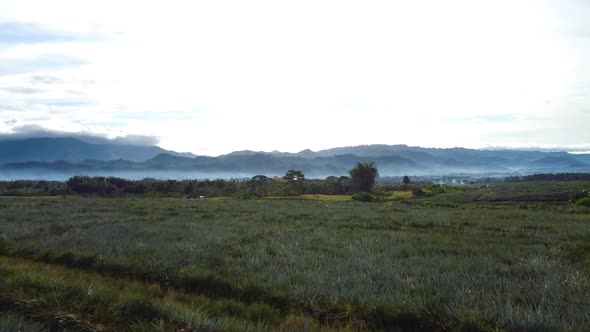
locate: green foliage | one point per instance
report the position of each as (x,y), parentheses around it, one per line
(406,180)
(189,188)
(363,197)
(582,193)
(363,176)
(228,307)
(258,186)
(332,185)
(578,252)
(260,312)
(12,322)
(263,186)
(550,177)
(295,183)
(88,302)
(583,202)
(417,191)
(294,175)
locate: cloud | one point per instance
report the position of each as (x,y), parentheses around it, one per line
(489,118)
(43,62)
(12,33)
(36,131)
(44,79)
(5,107)
(63,102)
(136,140)
(23,90)
(74,92)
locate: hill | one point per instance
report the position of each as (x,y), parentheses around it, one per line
(48,149)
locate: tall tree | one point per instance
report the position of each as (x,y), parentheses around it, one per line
(258,185)
(295,182)
(406,180)
(294,175)
(363,176)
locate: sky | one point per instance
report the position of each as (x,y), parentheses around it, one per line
(211,77)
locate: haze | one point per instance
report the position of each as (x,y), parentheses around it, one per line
(215,77)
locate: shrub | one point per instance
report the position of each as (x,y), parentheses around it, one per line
(417,191)
(363,197)
(580,194)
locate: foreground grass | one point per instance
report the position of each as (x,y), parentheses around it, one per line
(10,322)
(441,262)
(72,299)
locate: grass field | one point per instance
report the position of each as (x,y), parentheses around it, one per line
(329,198)
(488,257)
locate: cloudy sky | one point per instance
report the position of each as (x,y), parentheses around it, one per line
(211,77)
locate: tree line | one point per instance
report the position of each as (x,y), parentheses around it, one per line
(362,179)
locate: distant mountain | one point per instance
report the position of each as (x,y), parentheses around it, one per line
(64,157)
(562,161)
(74,150)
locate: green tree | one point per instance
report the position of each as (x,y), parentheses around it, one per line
(294,175)
(295,183)
(406,180)
(258,186)
(363,176)
(189,188)
(417,191)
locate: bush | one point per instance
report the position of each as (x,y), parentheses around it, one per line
(580,194)
(363,197)
(417,191)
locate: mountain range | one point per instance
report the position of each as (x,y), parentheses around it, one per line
(58,158)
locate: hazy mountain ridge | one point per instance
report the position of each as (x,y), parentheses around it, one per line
(64,157)
(50,149)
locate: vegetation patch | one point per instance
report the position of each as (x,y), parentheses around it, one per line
(585,202)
